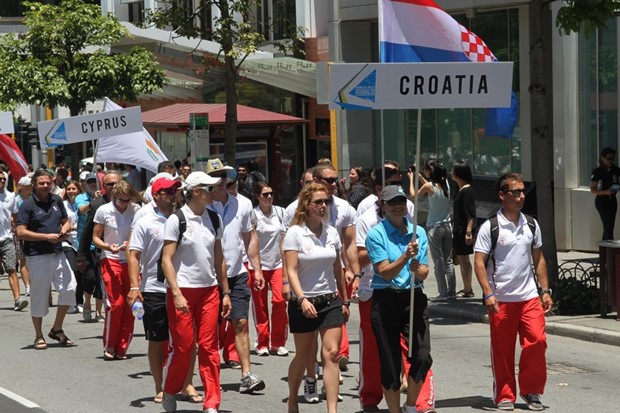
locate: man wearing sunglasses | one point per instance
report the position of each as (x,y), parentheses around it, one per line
(392,177)
(238,239)
(512,299)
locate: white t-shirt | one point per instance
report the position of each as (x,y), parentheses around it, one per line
(194,258)
(513,280)
(72,215)
(116,226)
(315,265)
(8,208)
(144,210)
(147,236)
(268,229)
(370,202)
(245,204)
(237,220)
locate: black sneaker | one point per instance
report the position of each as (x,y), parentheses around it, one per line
(20,304)
(533,401)
(251,383)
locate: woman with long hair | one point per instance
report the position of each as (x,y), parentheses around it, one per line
(439,228)
(69,246)
(267,221)
(312,256)
(464,211)
(359,187)
(111,236)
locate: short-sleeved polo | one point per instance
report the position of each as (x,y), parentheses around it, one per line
(116,226)
(147,236)
(8,208)
(43,217)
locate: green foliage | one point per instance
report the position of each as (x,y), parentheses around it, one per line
(62,60)
(585,15)
(576,296)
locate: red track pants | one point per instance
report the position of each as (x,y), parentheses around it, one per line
(274,335)
(118,327)
(370,389)
(204,307)
(526,318)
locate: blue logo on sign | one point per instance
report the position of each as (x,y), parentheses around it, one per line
(60,134)
(366,89)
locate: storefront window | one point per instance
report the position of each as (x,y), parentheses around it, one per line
(598,98)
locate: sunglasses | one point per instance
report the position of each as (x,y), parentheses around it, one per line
(515,192)
(320,202)
(308,182)
(110,183)
(169,191)
(266,194)
(208,188)
(396,201)
(330,181)
(123,201)
(2,179)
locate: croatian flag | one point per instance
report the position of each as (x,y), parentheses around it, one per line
(420,31)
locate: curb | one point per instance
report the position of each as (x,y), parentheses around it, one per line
(590,334)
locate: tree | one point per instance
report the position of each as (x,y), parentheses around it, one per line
(239,35)
(61,61)
(574,16)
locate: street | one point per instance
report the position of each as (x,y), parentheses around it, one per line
(582,376)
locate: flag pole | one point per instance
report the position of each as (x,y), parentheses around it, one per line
(416,180)
(382,148)
(94,170)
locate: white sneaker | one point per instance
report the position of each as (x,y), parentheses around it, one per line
(310,393)
(262,352)
(210,410)
(72,310)
(408,409)
(282,351)
(169,403)
(80,308)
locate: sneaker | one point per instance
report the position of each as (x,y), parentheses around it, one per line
(210,410)
(169,403)
(465,294)
(232,364)
(310,393)
(340,379)
(324,396)
(439,298)
(281,351)
(506,405)
(27,294)
(80,308)
(262,352)
(251,383)
(20,304)
(408,409)
(533,401)
(343,362)
(72,310)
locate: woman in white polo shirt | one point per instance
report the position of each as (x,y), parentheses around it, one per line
(111,236)
(194,267)
(312,251)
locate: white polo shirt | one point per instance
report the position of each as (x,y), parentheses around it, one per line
(194,258)
(513,280)
(237,219)
(315,259)
(268,229)
(370,202)
(245,204)
(147,236)
(8,207)
(144,210)
(116,226)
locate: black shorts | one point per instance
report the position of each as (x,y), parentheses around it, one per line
(239,296)
(459,246)
(329,315)
(155,318)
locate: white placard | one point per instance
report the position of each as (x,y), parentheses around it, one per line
(89,127)
(6,123)
(366,86)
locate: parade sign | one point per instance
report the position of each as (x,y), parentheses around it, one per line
(367,86)
(6,123)
(89,127)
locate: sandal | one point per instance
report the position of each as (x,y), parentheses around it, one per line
(63,340)
(465,294)
(40,344)
(109,355)
(159,397)
(192,398)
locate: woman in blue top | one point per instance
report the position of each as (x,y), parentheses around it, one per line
(397,256)
(439,228)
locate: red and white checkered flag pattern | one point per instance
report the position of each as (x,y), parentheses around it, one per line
(475,49)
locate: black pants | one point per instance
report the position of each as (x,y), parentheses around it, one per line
(607,207)
(389,315)
(91,277)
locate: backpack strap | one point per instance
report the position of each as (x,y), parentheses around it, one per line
(215,220)
(182,227)
(494,236)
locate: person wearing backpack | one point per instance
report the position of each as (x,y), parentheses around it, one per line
(508,253)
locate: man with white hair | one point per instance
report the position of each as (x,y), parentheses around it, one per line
(8,210)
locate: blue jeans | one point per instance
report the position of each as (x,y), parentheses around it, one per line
(440,243)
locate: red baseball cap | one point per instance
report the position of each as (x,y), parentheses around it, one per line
(164,183)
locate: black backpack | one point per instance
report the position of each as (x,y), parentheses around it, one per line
(215,221)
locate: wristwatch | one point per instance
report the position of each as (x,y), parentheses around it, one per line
(347,303)
(226,292)
(547,291)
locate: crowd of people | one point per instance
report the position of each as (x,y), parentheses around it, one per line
(189,254)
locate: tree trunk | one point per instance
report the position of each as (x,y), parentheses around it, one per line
(230,139)
(75,151)
(542,136)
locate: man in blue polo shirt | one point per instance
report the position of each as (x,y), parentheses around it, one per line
(42,223)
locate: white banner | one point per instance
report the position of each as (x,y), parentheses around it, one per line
(89,127)
(6,123)
(367,86)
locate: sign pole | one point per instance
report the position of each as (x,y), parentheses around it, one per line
(416,181)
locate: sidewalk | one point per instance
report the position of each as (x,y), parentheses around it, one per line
(592,328)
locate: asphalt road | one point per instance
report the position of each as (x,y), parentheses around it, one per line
(582,376)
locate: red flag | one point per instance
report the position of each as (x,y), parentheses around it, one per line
(13,157)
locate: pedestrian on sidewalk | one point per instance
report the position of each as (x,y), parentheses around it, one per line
(605,184)
(511,297)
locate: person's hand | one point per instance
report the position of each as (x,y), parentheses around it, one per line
(53,238)
(349,276)
(132,296)
(469,238)
(547,303)
(226,306)
(180,303)
(415,264)
(286,291)
(259,280)
(492,304)
(412,249)
(307,308)
(355,286)
(114,248)
(346,312)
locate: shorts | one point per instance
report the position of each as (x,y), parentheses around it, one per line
(155,318)
(239,296)
(459,246)
(7,254)
(329,314)
(19,249)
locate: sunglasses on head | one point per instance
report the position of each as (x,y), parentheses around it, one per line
(320,202)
